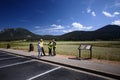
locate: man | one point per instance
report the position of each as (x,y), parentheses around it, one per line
(41,45)
(50,48)
(54,47)
(39,49)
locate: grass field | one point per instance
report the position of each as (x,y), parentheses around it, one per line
(108,50)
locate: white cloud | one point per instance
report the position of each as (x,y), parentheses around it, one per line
(66,31)
(93,13)
(37,27)
(57,27)
(116,13)
(88,10)
(107,14)
(79,26)
(52,28)
(76,26)
(116,22)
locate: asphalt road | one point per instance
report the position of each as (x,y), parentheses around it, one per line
(20,68)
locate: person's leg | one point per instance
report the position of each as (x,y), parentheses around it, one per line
(54,52)
(43,51)
(49,51)
(38,53)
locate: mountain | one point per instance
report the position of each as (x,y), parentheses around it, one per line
(17,34)
(108,32)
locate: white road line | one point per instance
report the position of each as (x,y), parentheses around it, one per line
(16,64)
(8,58)
(44,73)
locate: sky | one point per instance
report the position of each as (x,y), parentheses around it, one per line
(57,17)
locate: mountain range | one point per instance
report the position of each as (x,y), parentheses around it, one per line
(108,32)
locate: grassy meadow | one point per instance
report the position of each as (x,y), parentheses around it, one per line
(108,50)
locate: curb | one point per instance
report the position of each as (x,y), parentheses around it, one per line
(74,67)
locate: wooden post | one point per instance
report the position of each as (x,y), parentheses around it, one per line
(79,53)
(91,52)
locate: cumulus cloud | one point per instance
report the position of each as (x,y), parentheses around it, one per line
(52,27)
(63,29)
(66,31)
(116,13)
(116,22)
(76,26)
(57,27)
(107,14)
(91,12)
(79,26)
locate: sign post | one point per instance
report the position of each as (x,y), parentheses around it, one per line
(85,47)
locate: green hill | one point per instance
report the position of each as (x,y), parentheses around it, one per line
(109,32)
(17,34)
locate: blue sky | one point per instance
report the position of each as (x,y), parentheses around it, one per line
(56,17)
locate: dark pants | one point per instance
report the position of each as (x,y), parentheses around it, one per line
(54,52)
(43,51)
(31,48)
(8,46)
(50,51)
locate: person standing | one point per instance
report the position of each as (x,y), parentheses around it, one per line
(42,46)
(39,49)
(50,48)
(8,46)
(54,46)
(31,47)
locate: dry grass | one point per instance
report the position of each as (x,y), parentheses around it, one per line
(108,50)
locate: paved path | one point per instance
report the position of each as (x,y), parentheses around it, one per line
(81,64)
(17,67)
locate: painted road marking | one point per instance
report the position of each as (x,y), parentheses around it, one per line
(44,73)
(16,63)
(8,58)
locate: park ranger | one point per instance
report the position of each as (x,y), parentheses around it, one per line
(54,46)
